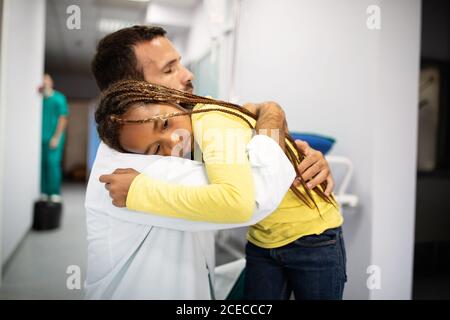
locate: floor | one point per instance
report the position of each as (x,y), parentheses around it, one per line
(32,274)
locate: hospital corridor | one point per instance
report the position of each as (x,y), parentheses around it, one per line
(29,274)
(223,150)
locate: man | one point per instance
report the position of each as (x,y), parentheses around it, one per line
(145,53)
(54,123)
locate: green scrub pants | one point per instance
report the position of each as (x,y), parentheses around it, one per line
(51,168)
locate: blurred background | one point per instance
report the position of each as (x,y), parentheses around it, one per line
(372,77)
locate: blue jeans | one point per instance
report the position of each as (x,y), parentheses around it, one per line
(313,267)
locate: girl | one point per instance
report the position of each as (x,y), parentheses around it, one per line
(299,248)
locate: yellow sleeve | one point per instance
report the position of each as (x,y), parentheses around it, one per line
(230,196)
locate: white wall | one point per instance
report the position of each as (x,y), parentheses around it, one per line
(334,76)
(23,40)
(199,40)
(164,14)
(316,58)
(206,35)
(395,146)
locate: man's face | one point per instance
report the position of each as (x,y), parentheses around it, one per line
(161,64)
(47,82)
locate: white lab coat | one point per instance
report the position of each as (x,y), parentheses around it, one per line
(133,255)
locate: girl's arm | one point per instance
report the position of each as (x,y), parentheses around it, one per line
(230,196)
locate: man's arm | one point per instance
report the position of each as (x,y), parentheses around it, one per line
(271,121)
(61,126)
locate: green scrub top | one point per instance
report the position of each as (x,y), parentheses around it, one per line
(53,107)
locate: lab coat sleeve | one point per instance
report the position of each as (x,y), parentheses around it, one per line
(272,173)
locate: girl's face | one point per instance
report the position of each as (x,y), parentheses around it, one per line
(170,137)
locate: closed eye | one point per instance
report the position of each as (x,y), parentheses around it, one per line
(165,124)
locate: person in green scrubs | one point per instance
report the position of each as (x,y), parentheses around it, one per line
(54,123)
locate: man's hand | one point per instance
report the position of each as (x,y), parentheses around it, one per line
(270,120)
(60,127)
(118,183)
(314,168)
(54,141)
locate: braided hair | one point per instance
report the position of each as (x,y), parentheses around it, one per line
(120,96)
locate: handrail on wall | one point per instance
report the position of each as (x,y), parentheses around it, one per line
(346,200)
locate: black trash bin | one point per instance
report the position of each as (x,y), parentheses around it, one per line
(47,215)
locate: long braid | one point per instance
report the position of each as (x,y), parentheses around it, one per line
(119,97)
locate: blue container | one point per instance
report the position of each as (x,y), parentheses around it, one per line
(316,141)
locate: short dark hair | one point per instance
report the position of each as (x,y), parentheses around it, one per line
(115,58)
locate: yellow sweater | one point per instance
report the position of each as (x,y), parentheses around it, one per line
(230,196)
